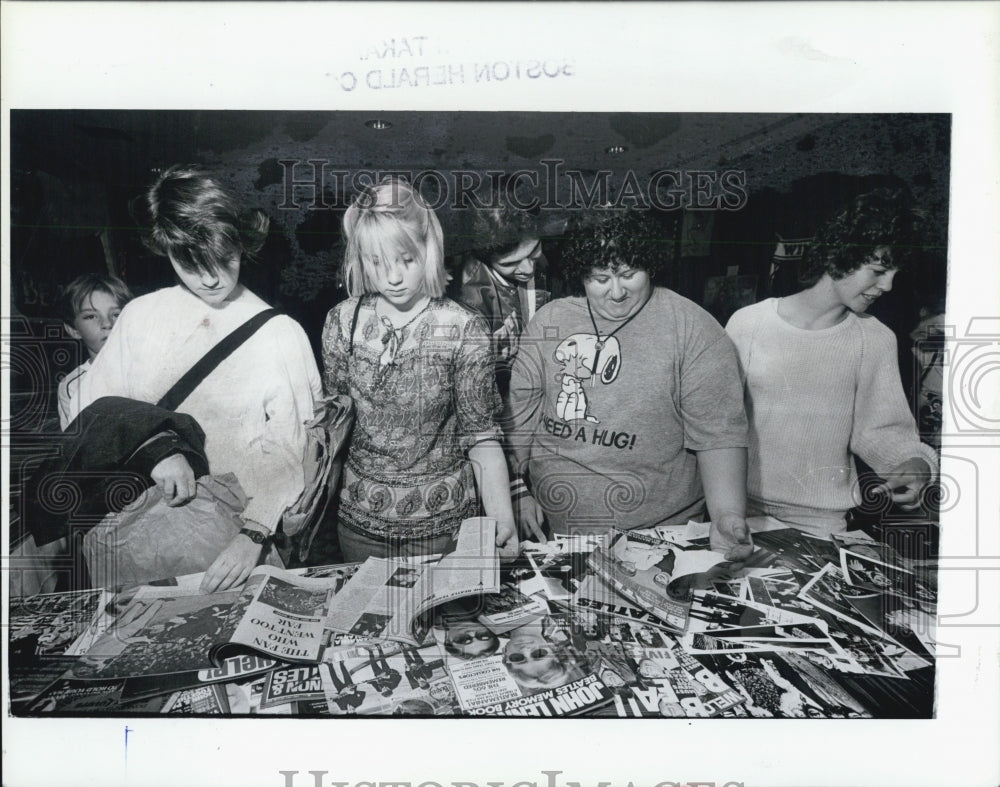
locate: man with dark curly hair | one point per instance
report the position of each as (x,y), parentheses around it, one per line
(822,379)
(506,277)
(626,407)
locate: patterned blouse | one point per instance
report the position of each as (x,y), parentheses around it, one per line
(407,473)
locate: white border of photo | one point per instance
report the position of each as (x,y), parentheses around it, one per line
(732,57)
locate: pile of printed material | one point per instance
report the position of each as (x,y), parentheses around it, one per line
(647,624)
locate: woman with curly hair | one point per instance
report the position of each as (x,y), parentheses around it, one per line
(625,403)
(822,379)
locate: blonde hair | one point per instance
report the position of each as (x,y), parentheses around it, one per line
(385,220)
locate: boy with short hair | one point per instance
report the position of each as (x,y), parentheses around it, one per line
(89,306)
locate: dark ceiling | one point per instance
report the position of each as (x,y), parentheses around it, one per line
(74,173)
(127,144)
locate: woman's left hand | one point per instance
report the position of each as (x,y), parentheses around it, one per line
(507,539)
(232,566)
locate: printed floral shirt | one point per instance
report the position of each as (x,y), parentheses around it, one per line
(407,474)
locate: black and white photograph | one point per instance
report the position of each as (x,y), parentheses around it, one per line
(448,276)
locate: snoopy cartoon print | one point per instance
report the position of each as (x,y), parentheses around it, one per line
(576,354)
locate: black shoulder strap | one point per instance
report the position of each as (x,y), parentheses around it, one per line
(182,389)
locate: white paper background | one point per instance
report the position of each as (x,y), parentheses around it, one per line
(778,57)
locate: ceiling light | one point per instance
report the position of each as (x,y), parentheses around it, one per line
(378,125)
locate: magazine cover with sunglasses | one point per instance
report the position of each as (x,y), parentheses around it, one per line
(538,669)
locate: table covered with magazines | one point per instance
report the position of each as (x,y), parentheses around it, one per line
(631,624)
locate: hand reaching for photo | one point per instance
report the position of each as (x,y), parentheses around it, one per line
(507,540)
(232,566)
(530,518)
(905,483)
(730,535)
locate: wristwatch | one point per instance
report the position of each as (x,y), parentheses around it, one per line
(256,536)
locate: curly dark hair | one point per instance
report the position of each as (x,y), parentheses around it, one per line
(499,230)
(614,240)
(884,217)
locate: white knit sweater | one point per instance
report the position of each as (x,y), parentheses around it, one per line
(252,407)
(815,399)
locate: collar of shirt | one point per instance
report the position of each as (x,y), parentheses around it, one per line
(507,285)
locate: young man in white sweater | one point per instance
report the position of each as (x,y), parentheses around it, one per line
(821,378)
